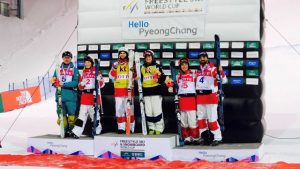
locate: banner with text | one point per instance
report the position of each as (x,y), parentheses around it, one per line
(20,98)
(150,8)
(163,28)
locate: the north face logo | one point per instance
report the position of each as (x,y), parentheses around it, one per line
(24,98)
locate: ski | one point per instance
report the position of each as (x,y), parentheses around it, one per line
(96,95)
(141,97)
(100,93)
(220,87)
(130,86)
(59,102)
(176,101)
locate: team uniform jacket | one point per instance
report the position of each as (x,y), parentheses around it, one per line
(186,91)
(150,87)
(206,84)
(88,75)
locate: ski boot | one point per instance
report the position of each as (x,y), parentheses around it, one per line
(215,143)
(151,132)
(121,131)
(157,132)
(197,141)
(207,137)
(187,141)
(73,135)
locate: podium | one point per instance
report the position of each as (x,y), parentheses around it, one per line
(53,144)
(138,146)
(250,152)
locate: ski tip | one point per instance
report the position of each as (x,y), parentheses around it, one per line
(217,37)
(96,61)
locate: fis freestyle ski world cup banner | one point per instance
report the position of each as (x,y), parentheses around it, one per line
(19,98)
(152,8)
(163,19)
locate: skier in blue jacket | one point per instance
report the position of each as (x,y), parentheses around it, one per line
(69,78)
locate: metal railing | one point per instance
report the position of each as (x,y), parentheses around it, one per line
(46,89)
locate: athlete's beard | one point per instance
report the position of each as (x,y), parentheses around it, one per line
(203,62)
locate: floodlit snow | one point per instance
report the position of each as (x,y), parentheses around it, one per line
(28,47)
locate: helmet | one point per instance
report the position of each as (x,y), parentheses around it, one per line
(149,52)
(88,58)
(67,53)
(183,60)
(123,49)
(202,54)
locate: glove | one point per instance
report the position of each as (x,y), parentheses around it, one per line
(99,77)
(156,74)
(169,83)
(57,83)
(116,65)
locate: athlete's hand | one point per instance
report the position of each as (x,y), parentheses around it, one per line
(83,82)
(116,65)
(99,77)
(52,80)
(57,83)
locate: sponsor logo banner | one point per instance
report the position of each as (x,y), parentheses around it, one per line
(135,147)
(150,8)
(20,98)
(163,28)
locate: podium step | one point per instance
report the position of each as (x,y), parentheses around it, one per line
(250,152)
(136,146)
(53,144)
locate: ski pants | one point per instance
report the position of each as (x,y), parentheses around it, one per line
(207,113)
(121,109)
(189,124)
(154,114)
(85,111)
(69,109)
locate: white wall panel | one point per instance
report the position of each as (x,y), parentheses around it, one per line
(235,13)
(228,32)
(99,35)
(99,19)
(233,2)
(98,5)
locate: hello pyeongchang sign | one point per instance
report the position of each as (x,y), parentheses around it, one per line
(163,19)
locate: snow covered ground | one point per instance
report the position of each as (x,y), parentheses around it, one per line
(30,47)
(36,40)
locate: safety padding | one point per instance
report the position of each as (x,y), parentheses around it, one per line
(243,91)
(242,109)
(236,132)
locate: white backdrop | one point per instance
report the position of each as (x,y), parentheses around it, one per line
(233,20)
